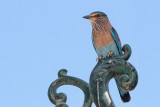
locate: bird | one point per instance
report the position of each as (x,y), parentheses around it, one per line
(106,42)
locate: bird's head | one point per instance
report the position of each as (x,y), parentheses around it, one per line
(99,21)
(96,16)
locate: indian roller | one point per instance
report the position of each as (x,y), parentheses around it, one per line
(106,42)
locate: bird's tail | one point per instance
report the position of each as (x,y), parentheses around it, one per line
(125,96)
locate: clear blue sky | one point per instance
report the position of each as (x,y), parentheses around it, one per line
(40,37)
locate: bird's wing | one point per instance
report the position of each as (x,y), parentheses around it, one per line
(125,96)
(116,39)
(93,42)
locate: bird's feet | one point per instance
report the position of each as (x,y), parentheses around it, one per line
(110,54)
(99,58)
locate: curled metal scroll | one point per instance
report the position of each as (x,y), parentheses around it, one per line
(98,91)
(59,99)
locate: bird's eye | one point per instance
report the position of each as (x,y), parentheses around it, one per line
(98,15)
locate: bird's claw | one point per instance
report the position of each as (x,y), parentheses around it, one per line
(99,58)
(110,54)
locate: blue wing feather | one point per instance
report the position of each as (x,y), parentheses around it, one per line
(125,96)
(93,42)
(116,39)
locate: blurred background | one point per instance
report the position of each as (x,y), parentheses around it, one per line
(40,37)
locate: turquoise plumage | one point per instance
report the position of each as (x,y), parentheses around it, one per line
(93,42)
(116,39)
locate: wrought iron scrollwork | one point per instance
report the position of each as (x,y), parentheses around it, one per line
(97,90)
(59,99)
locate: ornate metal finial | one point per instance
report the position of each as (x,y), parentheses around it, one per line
(97,90)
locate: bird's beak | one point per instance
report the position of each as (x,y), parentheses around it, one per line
(87,17)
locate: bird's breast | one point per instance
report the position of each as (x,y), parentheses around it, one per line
(102,39)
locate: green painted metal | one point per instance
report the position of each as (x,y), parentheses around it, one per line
(97,91)
(59,99)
